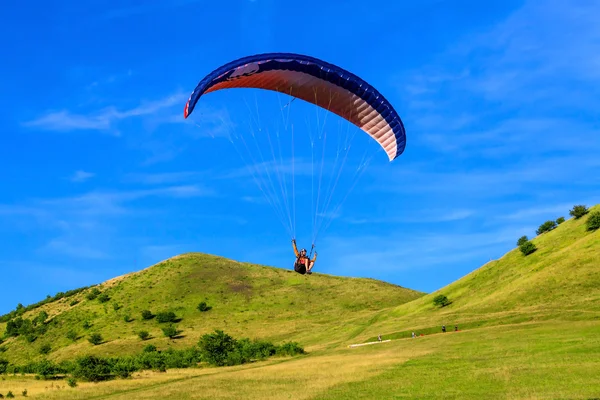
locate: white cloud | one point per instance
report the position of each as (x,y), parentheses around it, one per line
(102,120)
(81,176)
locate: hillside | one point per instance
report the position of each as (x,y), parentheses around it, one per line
(560,281)
(247,301)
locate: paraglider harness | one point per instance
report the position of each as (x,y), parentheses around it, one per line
(299,265)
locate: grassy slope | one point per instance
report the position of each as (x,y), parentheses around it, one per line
(248,300)
(560,281)
(553,353)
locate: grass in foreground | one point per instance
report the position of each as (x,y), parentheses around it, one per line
(528,361)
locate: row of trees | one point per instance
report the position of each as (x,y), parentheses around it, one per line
(577,212)
(217,348)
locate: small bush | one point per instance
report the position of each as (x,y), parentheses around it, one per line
(143,335)
(24,392)
(147,314)
(527,248)
(10,395)
(203,306)
(72,335)
(560,220)
(116,307)
(45,348)
(127,318)
(441,301)
(171,331)
(95,339)
(103,298)
(73,302)
(578,211)
(87,325)
(30,337)
(546,227)
(593,221)
(149,348)
(522,240)
(290,349)
(93,294)
(3,366)
(163,317)
(72,382)
(41,318)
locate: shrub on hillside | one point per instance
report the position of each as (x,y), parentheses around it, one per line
(147,314)
(92,368)
(93,294)
(95,339)
(45,348)
(127,318)
(167,316)
(546,227)
(593,221)
(216,347)
(578,211)
(72,335)
(171,331)
(440,300)
(143,335)
(522,240)
(40,318)
(203,306)
(560,220)
(103,298)
(527,248)
(3,366)
(72,382)
(116,306)
(87,324)
(149,348)
(73,302)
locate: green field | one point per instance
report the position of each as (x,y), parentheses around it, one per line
(529,328)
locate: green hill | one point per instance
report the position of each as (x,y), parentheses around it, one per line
(559,281)
(247,301)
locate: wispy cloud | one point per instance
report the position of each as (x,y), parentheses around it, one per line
(81,176)
(102,120)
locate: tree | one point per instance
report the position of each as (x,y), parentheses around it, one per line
(546,227)
(143,335)
(440,301)
(593,221)
(578,211)
(216,347)
(522,240)
(560,220)
(203,306)
(527,248)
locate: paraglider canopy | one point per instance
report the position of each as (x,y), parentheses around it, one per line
(315,81)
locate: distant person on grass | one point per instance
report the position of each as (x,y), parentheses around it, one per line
(303,264)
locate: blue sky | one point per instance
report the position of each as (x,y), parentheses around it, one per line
(102,176)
